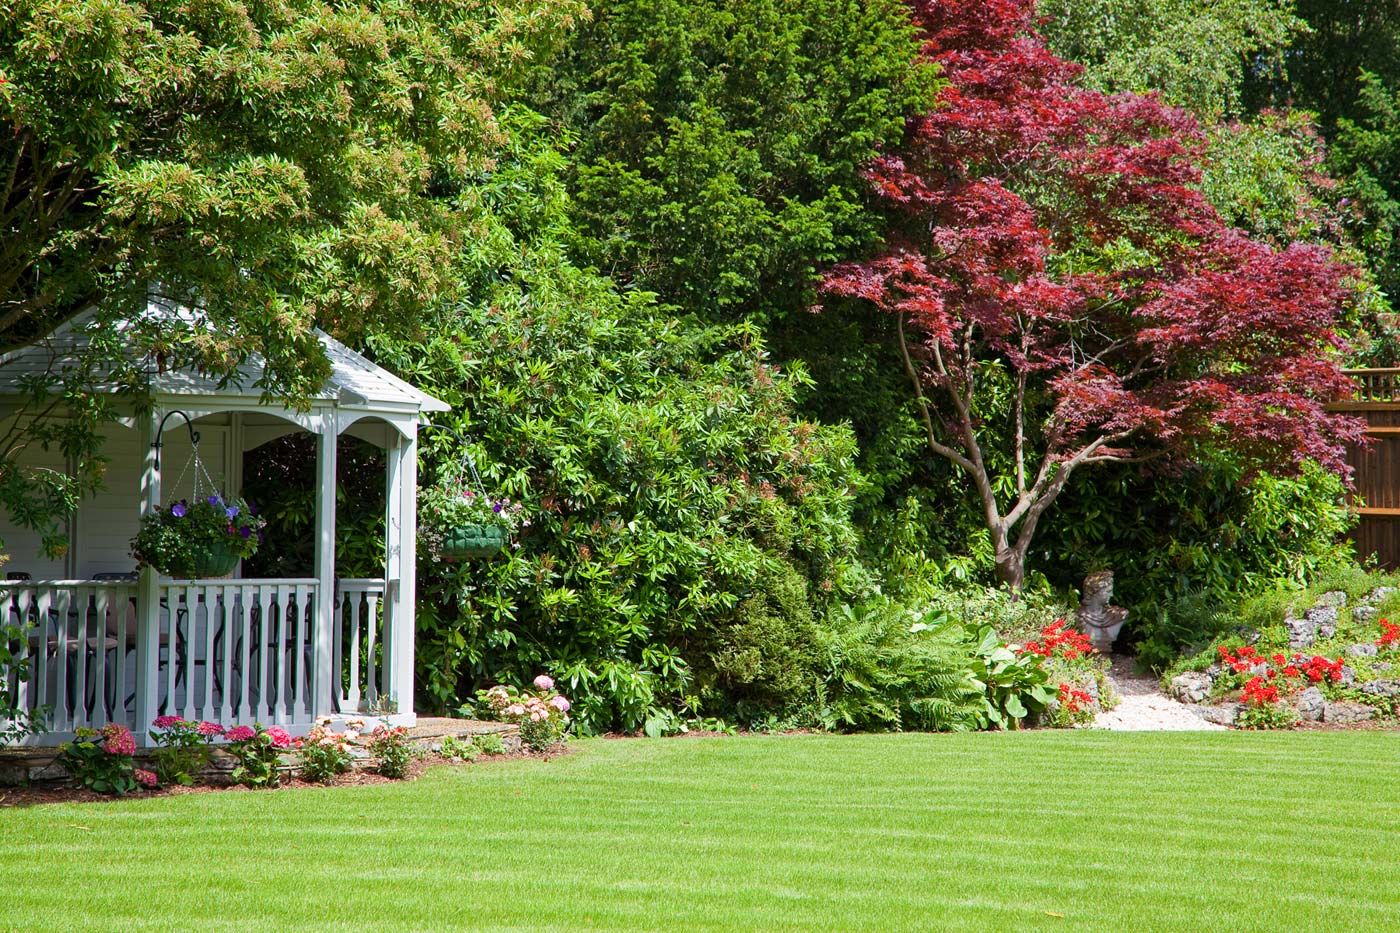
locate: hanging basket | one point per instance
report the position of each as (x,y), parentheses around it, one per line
(215,560)
(472,542)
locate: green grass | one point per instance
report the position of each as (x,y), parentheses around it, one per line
(1033,831)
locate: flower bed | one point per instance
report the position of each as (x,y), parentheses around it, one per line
(251,757)
(1346,673)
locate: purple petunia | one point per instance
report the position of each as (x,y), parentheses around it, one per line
(496,508)
(245,532)
(216,501)
(231,512)
(178,510)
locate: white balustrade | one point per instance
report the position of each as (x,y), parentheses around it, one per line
(231,651)
(359,648)
(77,639)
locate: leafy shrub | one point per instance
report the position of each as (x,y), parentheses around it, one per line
(542,714)
(390,745)
(15,722)
(325,753)
(1014,684)
(663,465)
(1189,544)
(765,662)
(720,145)
(490,743)
(884,667)
(258,752)
(183,748)
(460,749)
(101,760)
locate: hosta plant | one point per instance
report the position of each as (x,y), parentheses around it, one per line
(1014,683)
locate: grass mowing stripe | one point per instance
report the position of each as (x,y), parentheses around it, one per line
(1161,831)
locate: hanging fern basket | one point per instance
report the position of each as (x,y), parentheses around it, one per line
(472,542)
(215,560)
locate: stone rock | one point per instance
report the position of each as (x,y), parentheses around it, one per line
(1364,614)
(1381,667)
(1301,632)
(1324,620)
(1382,688)
(1335,599)
(1223,715)
(1191,687)
(1363,650)
(1379,595)
(1348,676)
(1343,713)
(1215,670)
(1310,704)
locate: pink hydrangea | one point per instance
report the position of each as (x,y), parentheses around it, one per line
(117,740)
(209,729)
(544,682)
(167,722)
(240,734)
(559,703)
(280,737)
(515,709)
(145,778)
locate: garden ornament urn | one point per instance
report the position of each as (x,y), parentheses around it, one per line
(1100,621)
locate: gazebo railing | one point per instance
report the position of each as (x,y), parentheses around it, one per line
(77,639)
(244,650)
(360,647)
(232,651)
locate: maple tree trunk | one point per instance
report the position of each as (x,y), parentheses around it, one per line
(1011,567)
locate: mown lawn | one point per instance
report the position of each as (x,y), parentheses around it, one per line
(1034,831)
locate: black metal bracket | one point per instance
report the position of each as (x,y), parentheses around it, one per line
(189,423)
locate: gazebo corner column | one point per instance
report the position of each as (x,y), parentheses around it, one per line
(147,700)
(326,679)
(400,566)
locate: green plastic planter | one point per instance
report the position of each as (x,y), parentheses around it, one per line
(217,560)
(472,542)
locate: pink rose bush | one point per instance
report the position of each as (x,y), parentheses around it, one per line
(390,745)
(326,753)
(541,713)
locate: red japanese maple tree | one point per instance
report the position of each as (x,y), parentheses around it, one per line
(1050,246)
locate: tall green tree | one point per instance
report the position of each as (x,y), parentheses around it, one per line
(1196,53)
(720,142)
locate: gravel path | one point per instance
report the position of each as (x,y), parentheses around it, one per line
(1144,708)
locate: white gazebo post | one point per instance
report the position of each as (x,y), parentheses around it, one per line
(326,679)
(400,567)
(148,594)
